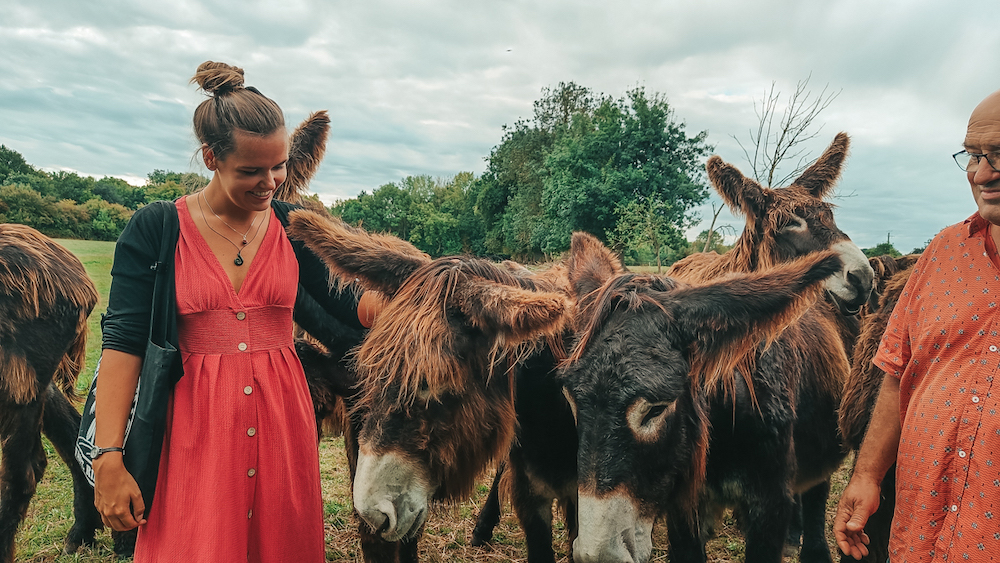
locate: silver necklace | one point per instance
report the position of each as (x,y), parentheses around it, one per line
(239,251)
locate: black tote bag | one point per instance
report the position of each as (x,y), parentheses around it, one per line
(160,371)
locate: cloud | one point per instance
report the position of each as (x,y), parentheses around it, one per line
(426,87)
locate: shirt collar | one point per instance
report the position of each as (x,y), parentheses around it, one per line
(975,224)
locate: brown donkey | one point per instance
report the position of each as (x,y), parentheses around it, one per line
(45,299)
(461,357)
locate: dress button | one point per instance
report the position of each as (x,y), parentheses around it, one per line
(251,431)
(993,348)
(242,346)
(240,316)
(961,453)
(975,399)
(247,390)
(251,472)
(954,508)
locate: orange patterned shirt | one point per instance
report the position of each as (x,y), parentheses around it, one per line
(943,342)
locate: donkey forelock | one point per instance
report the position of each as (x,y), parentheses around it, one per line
(412,343)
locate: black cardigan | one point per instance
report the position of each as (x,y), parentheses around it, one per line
(146,248)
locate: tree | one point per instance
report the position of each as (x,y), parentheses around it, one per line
(882,248)
(11,162)
(773,145)
(582,156)
(645,222)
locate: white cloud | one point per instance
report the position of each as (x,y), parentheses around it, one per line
(426,87)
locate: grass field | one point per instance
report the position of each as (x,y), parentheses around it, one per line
(448,530)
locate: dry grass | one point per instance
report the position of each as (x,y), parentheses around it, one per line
(449,529)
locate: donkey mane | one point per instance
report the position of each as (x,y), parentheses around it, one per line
(712,367)
(407,350)
(35,275)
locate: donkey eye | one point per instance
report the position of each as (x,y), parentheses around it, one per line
(653,412)
(645,419)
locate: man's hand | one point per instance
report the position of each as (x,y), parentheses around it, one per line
(857,504)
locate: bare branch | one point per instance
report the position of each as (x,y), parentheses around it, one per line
(777,144)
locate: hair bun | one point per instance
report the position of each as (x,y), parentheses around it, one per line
(218,78)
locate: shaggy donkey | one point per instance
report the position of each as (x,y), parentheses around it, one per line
(462,356)
(862,389)
(781,224)
(45,299)
(681,411)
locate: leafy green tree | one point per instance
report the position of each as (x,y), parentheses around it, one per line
(580,159)
(70,185)
(11,162)
(645,223)
(167,191)
(107,220)
(190,181)
(880,249)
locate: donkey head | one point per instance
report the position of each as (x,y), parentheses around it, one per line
(784,223)
(650,350)
(436,399)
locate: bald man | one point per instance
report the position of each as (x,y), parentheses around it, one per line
(937,416)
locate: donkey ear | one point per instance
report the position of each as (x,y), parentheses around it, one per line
(380,262)
(727,319)
(590,264)
(306,148)
(518,314)
(820,178)
(741,194)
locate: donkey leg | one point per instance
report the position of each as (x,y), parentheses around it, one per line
(489,516)
(764,518)
(61,423)
(572,523)
(534,512)
(793,539)
(686,543)
(22,465)
(814,547)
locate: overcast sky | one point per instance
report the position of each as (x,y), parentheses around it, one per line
(425,86)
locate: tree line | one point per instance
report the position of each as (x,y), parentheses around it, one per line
(67,205)
(623,169)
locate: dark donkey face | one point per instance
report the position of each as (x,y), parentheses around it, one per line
(436,400)
(785,223)
(650,350)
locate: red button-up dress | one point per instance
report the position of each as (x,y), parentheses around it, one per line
(239,475)
(943,342)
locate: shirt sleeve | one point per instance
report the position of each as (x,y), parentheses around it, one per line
(339,300)
(894,349)
(125,325)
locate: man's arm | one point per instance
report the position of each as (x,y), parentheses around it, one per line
(878,453)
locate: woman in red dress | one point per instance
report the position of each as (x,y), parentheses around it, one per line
(238,476)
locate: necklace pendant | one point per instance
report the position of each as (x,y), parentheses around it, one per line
(244,240)
(239,260)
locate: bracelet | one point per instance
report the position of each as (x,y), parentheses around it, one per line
(98,452)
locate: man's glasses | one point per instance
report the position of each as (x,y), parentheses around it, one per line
(969,161)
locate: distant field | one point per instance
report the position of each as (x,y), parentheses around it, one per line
(447,533)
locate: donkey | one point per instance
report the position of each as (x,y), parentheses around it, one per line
(782,224)
(862,388)
(45,299)
(461,357)
(681,411)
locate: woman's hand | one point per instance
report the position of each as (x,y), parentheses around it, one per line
(116,494)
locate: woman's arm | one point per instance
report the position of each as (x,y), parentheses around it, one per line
(116,494)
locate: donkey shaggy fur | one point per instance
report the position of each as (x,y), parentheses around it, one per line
(45,299)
